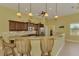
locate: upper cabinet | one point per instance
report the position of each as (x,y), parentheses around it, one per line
(12,25)
(24,26)
(18,26)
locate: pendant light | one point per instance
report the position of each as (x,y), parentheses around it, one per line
(56,16)
(18,13)
(30,13)
(46,14)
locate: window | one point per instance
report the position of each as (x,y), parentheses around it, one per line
(74,29)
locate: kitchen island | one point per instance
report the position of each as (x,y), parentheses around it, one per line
(35,41)
(58,44)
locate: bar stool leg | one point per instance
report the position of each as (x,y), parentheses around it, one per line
(21,54)
(49,53)
(28,54)
(4,53)
(42,53)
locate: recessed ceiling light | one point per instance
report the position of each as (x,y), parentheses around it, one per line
(26,9)
(50,8)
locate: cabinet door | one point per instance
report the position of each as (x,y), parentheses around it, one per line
(41,25)
(36,27)
(12,26)
(18,26)
(22,28)
(26,26)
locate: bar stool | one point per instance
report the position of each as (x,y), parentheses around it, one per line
(8,48)
(27,46)
(46,45)
(1,47)
(23,45)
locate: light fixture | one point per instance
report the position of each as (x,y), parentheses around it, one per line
(50,8)
(46,14)
(56,16)
(18,13)
(30,13)
(26,9)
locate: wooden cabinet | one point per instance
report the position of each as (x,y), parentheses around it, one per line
(18,26)
(12,26)
(41,25)
(37,28)
(24,26)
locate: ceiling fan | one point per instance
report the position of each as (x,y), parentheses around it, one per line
(42,13)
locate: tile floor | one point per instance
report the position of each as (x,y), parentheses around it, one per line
(70,49)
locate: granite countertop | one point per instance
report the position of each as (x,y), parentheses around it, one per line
(19,34)
(40,37)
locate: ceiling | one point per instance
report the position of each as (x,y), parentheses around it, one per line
(62,8)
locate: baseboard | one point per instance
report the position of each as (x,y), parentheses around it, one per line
(60,49)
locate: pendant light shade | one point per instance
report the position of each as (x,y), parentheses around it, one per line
(30,13)
(56,16)
(46,14)
(18,13)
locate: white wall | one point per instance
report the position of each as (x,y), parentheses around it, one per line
(63,8)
